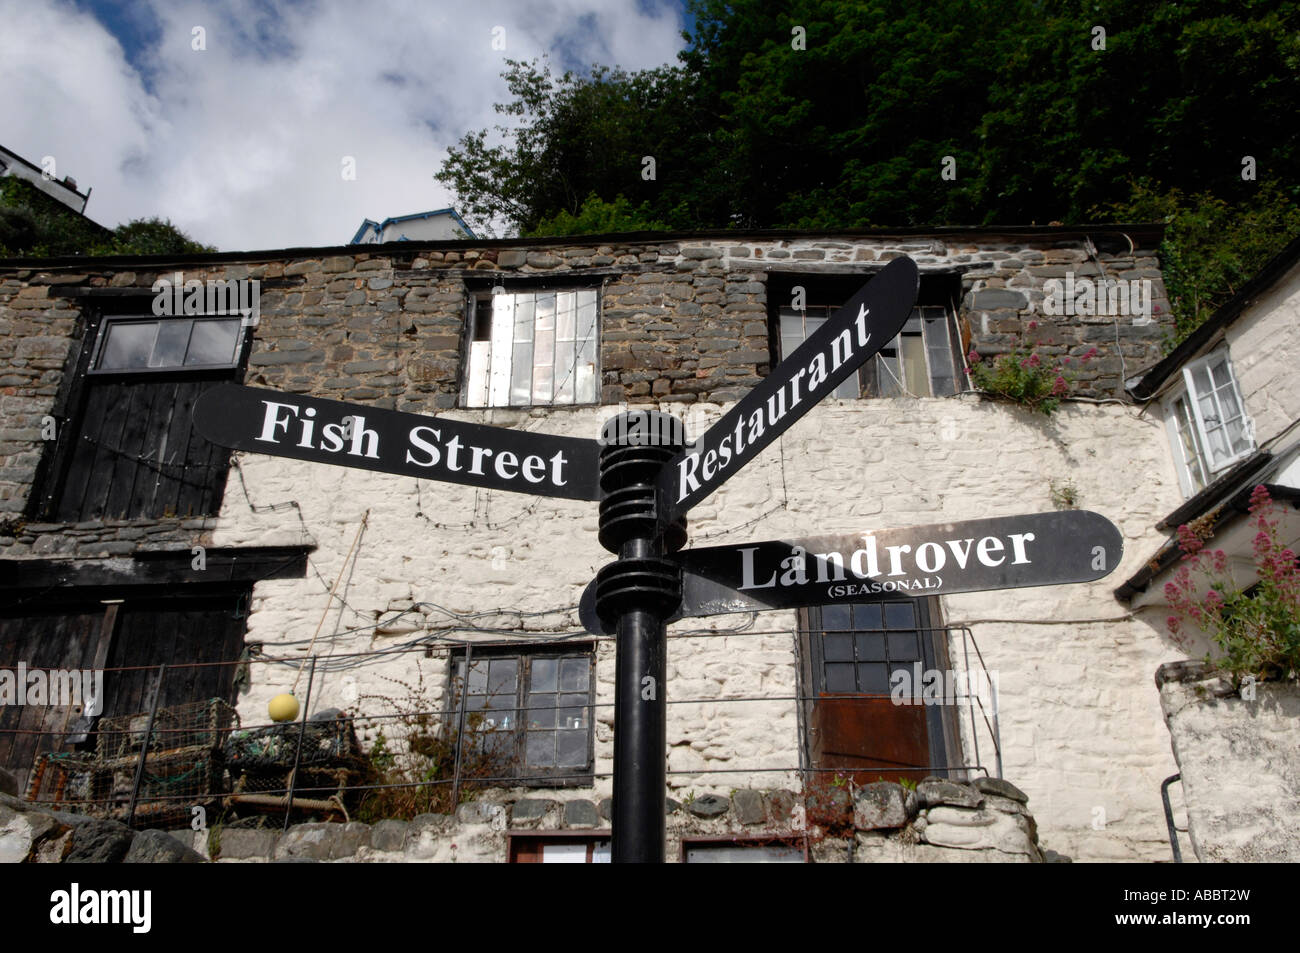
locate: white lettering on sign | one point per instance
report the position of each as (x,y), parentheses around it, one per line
(924,561)
(533,468)
(293,424)
(279,417)
(748,431)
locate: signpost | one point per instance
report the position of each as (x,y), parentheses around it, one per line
(647,478)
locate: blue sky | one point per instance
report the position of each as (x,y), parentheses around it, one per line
(241,142)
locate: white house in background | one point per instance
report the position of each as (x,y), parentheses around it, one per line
(439,225)
(1229,397)
(64,190)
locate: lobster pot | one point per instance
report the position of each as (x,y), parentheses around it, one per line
(202,724)
(172,784)
(67,781)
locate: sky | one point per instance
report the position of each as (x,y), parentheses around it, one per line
(244,143)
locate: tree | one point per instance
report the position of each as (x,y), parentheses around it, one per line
(829,113)
(37,225)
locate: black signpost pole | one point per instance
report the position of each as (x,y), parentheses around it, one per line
(635,594)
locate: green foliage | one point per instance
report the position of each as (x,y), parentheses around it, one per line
(852,130)
(33,224)
(1257,628)
(597,217)
(1211,246)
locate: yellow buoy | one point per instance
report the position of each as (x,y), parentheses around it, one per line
(283,707)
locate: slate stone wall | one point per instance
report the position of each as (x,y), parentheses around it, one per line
(939,821)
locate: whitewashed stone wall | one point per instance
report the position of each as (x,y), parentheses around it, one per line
(1239,764)
(1081,728)
(1264,345)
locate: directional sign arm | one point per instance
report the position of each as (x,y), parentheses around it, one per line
(848,339)
(262,420)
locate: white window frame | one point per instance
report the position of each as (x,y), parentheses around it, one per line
(1194,474)
(490,380)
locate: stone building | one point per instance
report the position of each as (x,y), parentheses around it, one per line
(128,541)
(1230,399)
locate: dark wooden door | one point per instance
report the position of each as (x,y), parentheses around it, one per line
(135,453)
(129,641)
(51,639)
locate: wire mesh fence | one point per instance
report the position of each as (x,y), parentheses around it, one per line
(488,725)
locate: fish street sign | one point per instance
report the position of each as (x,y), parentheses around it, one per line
(1010,552)
(370,438)
(850,337)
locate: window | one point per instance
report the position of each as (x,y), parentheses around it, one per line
(851,651)
(1207,422)
(131,345)
(127,448)
(528,714)
(559,848)
(532,348)
(924,360)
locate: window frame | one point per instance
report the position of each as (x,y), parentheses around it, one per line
(830,291)
(942,721)
(109,320)
(1202,470)
(478,294)
(556,776)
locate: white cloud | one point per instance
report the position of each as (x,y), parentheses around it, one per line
(242,144)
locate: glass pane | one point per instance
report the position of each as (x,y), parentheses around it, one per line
(544,351)
(169,348)
(871,647)
(874,678)
(904,647)
(585,373)
(128,345)
(478,676)
(541,711)
(899,615)
(565,322)
(916,378)
(1220,372)
(213,342)
(521,369)
(836,618)
(502,677)
(503,329)
(544,672)
(888,373)
(573,674)
(791,332)
(839,678)
(1201,379)
(849,388)
(838,648)
(571,749)
(541,749)
(867,616)
(572,712)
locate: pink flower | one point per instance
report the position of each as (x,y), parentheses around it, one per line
(1034,360)
(973,356)
(1033,325)
(1059,386)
